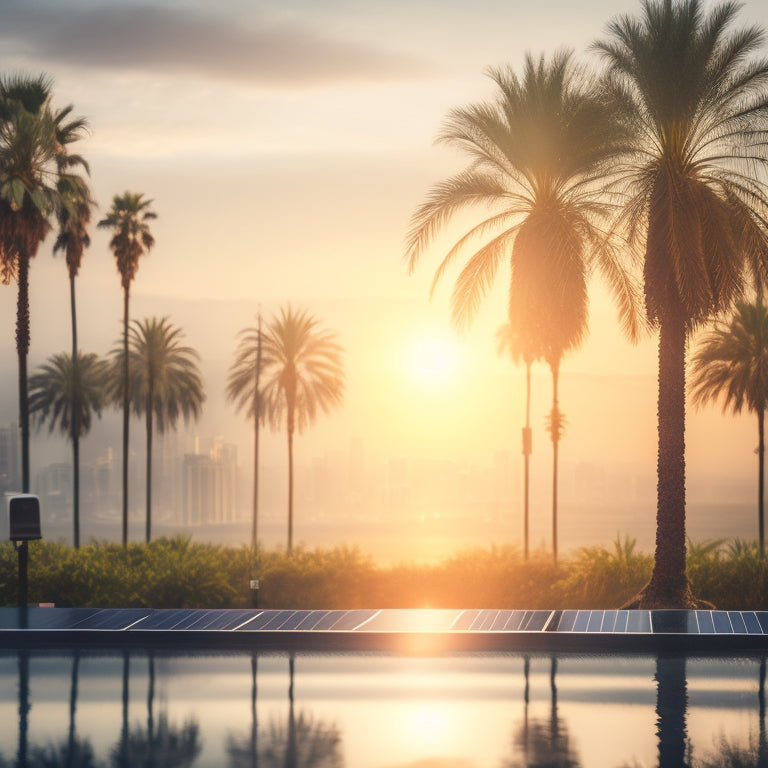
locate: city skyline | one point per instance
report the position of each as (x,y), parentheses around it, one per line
(298,188)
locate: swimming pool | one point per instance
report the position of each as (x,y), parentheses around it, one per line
(379,710)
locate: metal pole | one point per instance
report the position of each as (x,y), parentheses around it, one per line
(23,549)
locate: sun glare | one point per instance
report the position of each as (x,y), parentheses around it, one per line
(433,359)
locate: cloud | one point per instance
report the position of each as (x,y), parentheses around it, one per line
(259,50)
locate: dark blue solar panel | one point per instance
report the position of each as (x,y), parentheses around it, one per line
(351,620)
(538,621)
(595,621)
(567,620)
(515,621)
(751,623)
(228,619)
(327,621)
(123,618)
(582,619)
(609,621)
(310,618)
(739,628)
(293,621)
(56,618)
(762,617)
(484,620)
(706,624)
(500,622)
(722,622)
(676,622)
(621,621)
(527,616)
(465,620)
(167,619)
(266,618)
(639,621)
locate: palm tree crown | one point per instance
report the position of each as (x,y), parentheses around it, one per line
(65,392)
(66,396)
(695,109)
(165,383)
(693,191)
(537,156)
(128,219)
(731,364)
(303,375)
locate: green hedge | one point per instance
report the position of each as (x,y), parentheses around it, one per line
(179,573)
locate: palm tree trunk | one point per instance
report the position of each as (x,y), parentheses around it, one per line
(256,414)
(73,707)
(290,492)
(126,402)
(76,490)
(555,424)
(22,349)
(76,405)
(148,532)
(761,479)
(669,587)
(527,448)
(255,524)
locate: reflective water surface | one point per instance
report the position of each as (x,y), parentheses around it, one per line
(357,710)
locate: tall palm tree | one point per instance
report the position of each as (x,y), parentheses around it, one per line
(65,396)
(165,383)
(694,201)
(243,388)
(538,156)
(303,374)
(34,173)
(512,341)
(74,215)
(131,239)
(731,363)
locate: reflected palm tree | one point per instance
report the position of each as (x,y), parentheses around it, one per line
(302,742)
(159,745)
(24,707)
(671,712)
(543,743)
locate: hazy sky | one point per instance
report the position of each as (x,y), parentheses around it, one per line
(285,145)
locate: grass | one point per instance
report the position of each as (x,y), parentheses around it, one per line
(179,573)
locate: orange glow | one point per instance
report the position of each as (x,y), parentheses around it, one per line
(432,359)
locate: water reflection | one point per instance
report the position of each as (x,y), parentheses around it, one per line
(303,742)
(543,742)
(150,709)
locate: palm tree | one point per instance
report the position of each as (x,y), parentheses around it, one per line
(303,372)
(65,395)
(694,202)
(34,173)
(243,388)
(537,157)
(164,383)
(731,362)
(511,340)
(74,215)
(131,239)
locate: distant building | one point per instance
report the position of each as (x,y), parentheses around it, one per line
(10,475)
(210,486)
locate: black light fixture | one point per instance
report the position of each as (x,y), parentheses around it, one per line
(23,527)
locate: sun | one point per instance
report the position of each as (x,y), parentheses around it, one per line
(433,359)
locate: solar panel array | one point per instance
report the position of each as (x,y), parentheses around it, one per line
(485,621)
